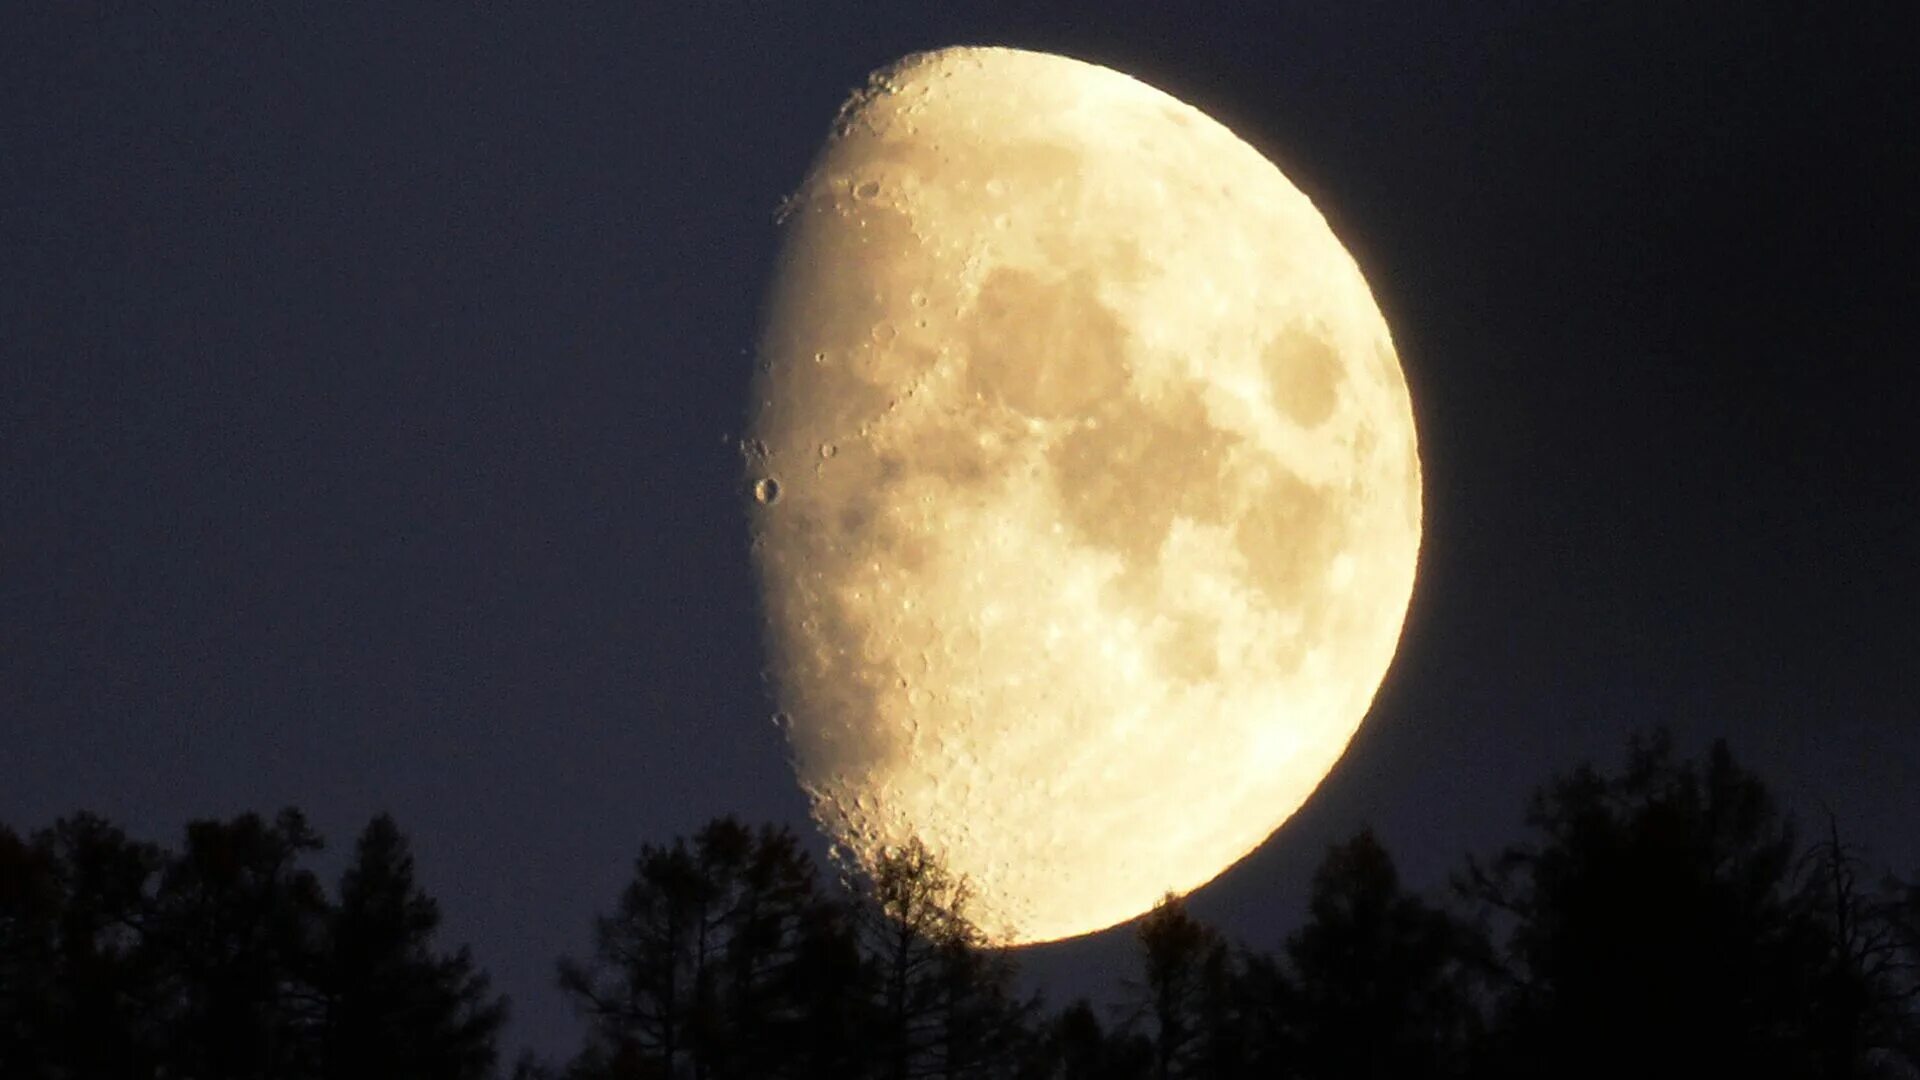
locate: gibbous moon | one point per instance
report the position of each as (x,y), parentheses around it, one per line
(1083,487)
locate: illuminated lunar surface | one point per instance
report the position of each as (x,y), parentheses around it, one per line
(1085,496)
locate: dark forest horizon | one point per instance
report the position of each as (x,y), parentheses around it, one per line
(1663,915)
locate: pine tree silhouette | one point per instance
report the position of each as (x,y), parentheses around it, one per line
(392,1006)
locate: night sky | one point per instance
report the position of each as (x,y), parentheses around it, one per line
(370,385)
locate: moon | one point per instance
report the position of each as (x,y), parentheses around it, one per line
(1083,488)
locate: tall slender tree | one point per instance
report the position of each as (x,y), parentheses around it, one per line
(393,1007)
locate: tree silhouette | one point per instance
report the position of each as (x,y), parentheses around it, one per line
(1376,983)
(1856,1009)
(237,928)
(1659,919)
(1654,924)
(227,960)
(1183,997)
(945,1005)
(1382,982)
(78,997)
(30,911)
(392,1007)
(721,960)
(725,959)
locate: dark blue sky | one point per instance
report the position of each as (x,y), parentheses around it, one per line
(368,385)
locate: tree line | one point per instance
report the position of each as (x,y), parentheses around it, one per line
(1663,918)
